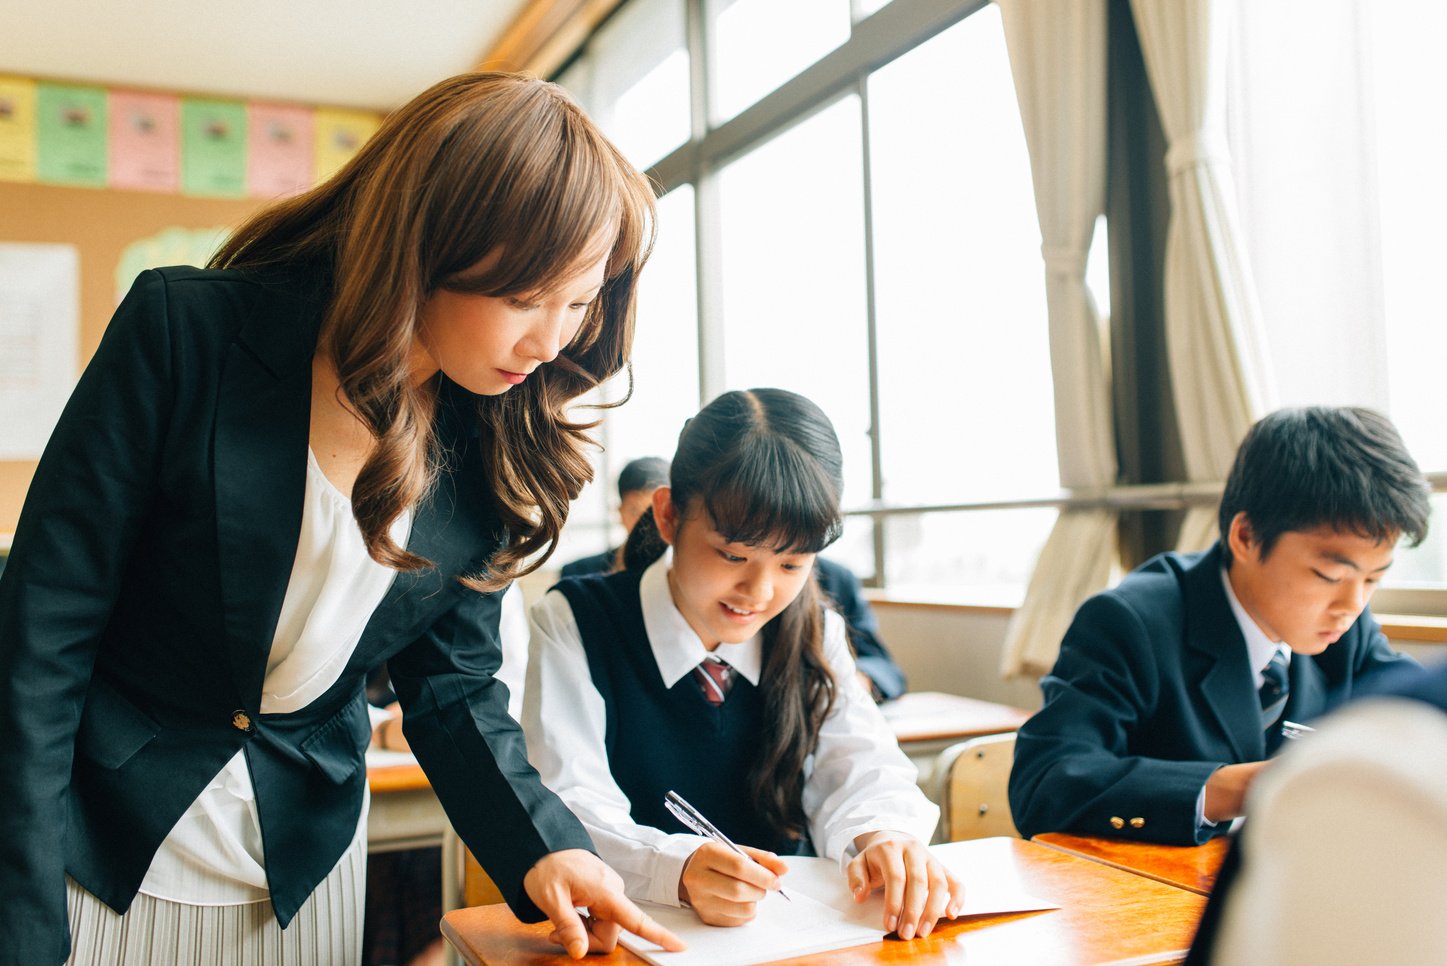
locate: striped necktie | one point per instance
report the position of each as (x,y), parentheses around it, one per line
(1275,688)
(714,678)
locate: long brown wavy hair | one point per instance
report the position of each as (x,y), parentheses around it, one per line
(479,164)
(765,466)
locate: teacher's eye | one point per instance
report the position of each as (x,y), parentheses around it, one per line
(521,304)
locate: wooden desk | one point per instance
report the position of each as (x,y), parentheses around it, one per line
(405,812)
(1192,867)
(928,722)
(1106,916)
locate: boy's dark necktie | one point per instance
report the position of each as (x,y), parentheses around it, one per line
(714,678)
(1275,688)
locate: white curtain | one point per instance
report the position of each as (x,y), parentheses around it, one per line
(1213,332)
(1058,60)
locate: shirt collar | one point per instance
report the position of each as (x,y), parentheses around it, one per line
(1259,648)
(676,647)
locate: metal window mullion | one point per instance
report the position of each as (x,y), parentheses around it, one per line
(707,230)
(876,448)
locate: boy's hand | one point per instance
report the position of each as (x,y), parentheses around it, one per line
(1226,790)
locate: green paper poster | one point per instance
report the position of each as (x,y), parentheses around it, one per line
(71,134)
(213,148)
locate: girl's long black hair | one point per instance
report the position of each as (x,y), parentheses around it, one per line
(765,466)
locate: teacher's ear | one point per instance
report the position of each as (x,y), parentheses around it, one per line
(665,514)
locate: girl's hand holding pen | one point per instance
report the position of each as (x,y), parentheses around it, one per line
(918,889)
(724,887)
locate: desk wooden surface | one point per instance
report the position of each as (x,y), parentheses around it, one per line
(1107,915)
(1192,867)
(919,716)
(396,778)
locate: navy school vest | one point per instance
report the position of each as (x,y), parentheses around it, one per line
(660,738)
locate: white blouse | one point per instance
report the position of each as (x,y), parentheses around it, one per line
(856,781)
(213,856)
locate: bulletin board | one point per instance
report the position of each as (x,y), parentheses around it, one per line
(101,223)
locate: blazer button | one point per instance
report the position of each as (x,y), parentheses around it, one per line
(1137,823)
(241,721)
(1117,822)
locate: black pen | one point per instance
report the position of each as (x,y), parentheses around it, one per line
(695,821)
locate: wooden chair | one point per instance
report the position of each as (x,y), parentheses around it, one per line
(971,786)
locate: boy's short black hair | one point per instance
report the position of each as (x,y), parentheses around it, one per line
(1325,466)
(644,473)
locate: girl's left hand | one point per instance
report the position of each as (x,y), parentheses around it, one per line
(918,889)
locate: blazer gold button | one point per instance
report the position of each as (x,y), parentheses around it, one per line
(241,721)
(1137,823)
(1117,822)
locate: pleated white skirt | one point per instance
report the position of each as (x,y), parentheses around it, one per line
(327,929)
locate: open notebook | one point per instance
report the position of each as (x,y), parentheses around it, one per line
(820,914)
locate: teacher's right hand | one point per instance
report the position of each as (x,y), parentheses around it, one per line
(562,881)
(724,887)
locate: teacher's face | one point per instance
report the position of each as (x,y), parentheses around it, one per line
(487,344)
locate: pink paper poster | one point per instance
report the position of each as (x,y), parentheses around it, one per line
(279,156)
(145,141)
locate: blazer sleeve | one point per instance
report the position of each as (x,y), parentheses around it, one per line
(1073,765)
(82,515)
(455,717)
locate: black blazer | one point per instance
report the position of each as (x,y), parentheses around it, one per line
(1152,692)
(140,600)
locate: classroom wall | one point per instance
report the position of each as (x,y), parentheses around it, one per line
(101,223)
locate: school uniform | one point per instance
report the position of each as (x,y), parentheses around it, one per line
(1155,689)
(141,599)
(615,718)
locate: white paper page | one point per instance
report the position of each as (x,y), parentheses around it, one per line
(797,926)
(821,916)
(39,334)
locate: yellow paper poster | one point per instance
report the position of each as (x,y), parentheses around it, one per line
(338,135)
(17,129)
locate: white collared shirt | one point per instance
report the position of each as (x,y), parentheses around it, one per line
(857,780)
(1260,649)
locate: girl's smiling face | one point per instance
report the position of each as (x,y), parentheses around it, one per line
(725,591)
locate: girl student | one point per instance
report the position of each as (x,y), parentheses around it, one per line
(329,451)
(713,670)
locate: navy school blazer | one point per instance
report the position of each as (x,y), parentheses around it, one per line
(142,593)
(1151,693)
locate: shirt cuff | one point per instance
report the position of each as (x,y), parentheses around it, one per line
(1201,820)
(672,855)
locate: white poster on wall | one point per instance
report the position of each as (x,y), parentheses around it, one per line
(39,338)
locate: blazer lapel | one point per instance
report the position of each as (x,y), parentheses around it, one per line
(262,426)
(455,526)
(1212,632)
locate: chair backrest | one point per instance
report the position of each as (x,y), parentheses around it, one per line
(973,788)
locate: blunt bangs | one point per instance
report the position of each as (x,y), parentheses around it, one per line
(774,496)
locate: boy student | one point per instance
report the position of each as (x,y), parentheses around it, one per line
(636,483)
(1170,689)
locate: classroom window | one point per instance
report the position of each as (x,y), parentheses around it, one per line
(793,296)
(866,235)
(966,398)
(759,44)
(1337,157)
